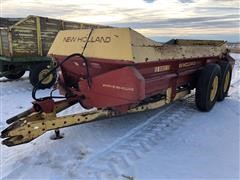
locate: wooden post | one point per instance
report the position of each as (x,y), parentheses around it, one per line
(81,25)
(39,36)
(10,42)
(62,25)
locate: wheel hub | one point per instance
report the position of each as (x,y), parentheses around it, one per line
(226,82)
(214,88)
(42,74)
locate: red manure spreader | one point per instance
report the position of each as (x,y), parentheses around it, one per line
(115,71)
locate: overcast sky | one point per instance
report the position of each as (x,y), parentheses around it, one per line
(158,19)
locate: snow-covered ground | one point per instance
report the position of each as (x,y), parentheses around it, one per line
(176,142)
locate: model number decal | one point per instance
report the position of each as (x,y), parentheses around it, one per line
(161,68)
(187,64)
(118,87)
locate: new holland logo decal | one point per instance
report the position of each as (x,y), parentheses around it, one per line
(99,39)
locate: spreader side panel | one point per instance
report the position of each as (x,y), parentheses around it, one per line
(109,43)
(124,86)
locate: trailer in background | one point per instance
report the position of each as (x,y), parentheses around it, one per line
(24,44)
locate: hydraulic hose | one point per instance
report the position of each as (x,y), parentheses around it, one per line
(35,88)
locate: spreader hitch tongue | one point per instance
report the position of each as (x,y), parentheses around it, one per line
(22,130)
(31,124)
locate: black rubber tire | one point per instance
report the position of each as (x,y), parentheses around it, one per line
(204,87)
(15,75)
(34,76)
(225,68)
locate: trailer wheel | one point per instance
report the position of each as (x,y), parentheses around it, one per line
(38,72)
(207,89)
(225,79)
(15,75)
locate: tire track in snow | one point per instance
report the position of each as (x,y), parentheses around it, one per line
(111,162)
(115,159)
(10,160)
(122,152)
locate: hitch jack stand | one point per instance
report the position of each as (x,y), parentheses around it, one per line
(57,135)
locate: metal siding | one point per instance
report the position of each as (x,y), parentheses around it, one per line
(24,42)
(24,38)
(5,43)
(49,30)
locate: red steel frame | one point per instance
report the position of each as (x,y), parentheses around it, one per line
(120,85)
(113,87)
